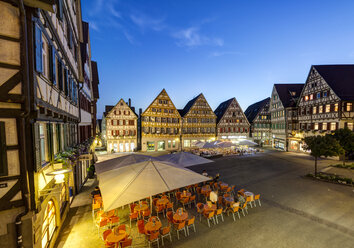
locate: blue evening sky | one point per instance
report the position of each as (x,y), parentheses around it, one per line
(224,49)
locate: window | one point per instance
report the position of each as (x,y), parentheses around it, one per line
(38,47)
(320,109)
(319,95)
(306,98)
(349,106)
(43,146)
(48,224)
(324,126)
(324,94)
(45,58)
(316,126)
(311,97)
(336,107)
(186,143)
(350,126)
(328,108)
(314,110)
(169,144)
(333,126)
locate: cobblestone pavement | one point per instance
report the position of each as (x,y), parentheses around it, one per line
(295,211)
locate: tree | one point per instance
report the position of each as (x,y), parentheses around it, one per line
(322,146)
(345,137)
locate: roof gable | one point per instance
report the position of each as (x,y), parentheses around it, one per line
(162,96)
(192,104)
(253,110)
(221,109)
(120,104)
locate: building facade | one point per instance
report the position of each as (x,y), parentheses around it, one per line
(232,123)
(160,125)
(198,122)
(121,128)
(258,116)
(41,163)
(326,102)
(284,114)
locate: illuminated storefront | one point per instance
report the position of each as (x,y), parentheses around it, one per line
(49,224)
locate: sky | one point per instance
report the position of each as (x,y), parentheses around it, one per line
(221,48)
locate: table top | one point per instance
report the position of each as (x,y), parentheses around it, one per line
(179,218)
(139,208)
(188,194)
(248,193)
(149,226)
(205,189)
(114,237)
(208,209)
(229,199)
(163,201)
(107,214)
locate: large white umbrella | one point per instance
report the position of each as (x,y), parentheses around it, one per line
(247,143)
(225,144)
(184,159)
(138,181)
(209,145)
(121,161)
(199,144)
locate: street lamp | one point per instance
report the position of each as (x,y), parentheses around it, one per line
(59,175)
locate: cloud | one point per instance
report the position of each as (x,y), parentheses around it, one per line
(191,37)
(145,22)
(218,54)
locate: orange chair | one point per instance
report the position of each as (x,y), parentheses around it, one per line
(154,237)
(249,201)
(164,232)
(154,201)
(133,216)
(220,201)
(152,218)
(233,189)
(146,214)
(190,224)
(243,208)
(159,209)
(181,226)
(178,196)
(210,216)
(104,236)
(114,221)
(257,197)
(200,210)
(141,226)
(184,201)
(126,242)
(218,213)
(121,227)
(192,200)
(234,211)
(164,197)
(102,224)
(169,216)
(132,206)
(169,206)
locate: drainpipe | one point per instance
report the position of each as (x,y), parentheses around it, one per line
(24,68)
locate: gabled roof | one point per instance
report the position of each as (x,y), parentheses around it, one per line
(162,91)
(253,110)
(284,91)
(188,106)
(95,79)
(340,78)
(221,109)
(121,100)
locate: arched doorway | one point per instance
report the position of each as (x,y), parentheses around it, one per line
(49,224)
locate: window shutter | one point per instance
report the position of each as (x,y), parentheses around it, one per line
(52,65)
(38,47)
(50,142)
(3,152)
(112,132)
(60,9)
(37,145)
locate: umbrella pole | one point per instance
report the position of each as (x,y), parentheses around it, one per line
(151,204)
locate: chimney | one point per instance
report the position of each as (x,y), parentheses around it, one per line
(130,102)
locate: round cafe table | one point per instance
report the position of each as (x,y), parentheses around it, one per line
(141,207)
(229,199)
(115,237)
(150,227)
(162,201)
(209,209)
(223,185)
(247,193)
(205,189)
(180,217)
(108,215)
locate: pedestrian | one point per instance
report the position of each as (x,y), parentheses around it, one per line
(213,196)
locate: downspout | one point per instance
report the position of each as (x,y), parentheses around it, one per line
(25,78)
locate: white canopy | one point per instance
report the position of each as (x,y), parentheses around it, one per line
(138,181)
(247,143)
(225,144)
(121,161)
(184,159)
(209,145)
(199,144)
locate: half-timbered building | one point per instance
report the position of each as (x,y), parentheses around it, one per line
(327,99)
(160,125)
(121,128)
(198,122)
(258,116)
(40,73)
(232,123)
(283,111)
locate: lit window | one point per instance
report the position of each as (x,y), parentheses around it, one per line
(349,106)
(320,109)
(314,110)
(333,126)
(311,97)
(306,98)
(324,126)
(316,126)
(328,108)
(336,107)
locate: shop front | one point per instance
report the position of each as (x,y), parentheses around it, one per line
(279,144)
